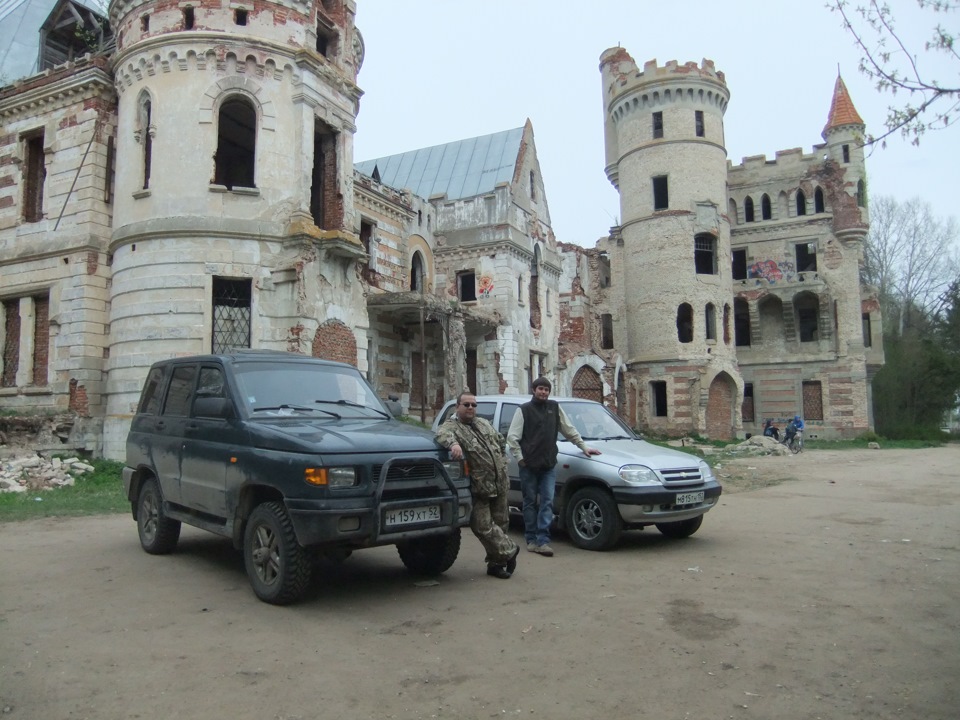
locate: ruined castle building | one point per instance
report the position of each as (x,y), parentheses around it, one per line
(665,155)
(233,219)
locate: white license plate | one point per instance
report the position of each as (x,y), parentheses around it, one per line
(409,516)
(689,498)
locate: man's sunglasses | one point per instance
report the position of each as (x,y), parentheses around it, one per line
(468,404)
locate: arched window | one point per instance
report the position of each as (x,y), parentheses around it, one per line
(748,209)
(732,211)
(818,206)
(236,143)
(801,203)
(685,323)
(416,273)
(145,134)
(710,321)
(765,210)
(861,194)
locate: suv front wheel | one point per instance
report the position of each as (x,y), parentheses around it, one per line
(593,521)
(278,567)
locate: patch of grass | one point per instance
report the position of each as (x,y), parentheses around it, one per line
(97,493)
(861,443)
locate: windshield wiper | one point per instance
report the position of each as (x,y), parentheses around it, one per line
(616,437)
(350,403)
(301,408)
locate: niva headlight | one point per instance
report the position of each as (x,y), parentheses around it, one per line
(639,475)
(706,472)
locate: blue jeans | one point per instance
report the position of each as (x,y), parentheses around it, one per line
(537,518)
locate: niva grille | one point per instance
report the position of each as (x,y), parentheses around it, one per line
(681,477)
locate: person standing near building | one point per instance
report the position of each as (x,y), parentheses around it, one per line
(532,439)
(475,440)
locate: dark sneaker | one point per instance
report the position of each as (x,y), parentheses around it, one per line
(545,550)
(512,562)
(498,571)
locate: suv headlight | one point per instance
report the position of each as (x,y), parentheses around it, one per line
(639,475)
(706,472)
(454,469)
(338,477)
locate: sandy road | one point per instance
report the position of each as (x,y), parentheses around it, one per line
(830,596)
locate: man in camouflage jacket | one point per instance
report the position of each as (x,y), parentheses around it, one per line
(475,440)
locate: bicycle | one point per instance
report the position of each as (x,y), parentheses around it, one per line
(795,444)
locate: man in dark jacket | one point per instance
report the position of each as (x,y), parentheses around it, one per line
(532,439)
(475,440)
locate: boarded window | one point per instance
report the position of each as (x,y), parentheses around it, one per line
(812,400)
(746,409)
(231,314)
(236,143)
(41,340)
(658,397)
(325,204)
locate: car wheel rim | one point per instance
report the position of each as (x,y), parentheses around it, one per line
(266,555)
(150,516)
(588,520)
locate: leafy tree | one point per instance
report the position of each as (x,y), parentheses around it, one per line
(893,67)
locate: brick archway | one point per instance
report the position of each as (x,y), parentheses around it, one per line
(720,407)
(335,341)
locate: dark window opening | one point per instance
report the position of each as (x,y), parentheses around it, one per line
(416,273)
(685,323)
(534,290)
(846,153)
(806,254)
(658,125)
(698,120)
(146,139)
(801,203)
(741,323)
(726,323)
(35,176)
(240,17)
(533,186)
(419,218)
(661,200)
(144,23)
(188,18)
(327,38)
(861,194)
(603,269)
(231,314)
(739,264)
(11,343)
(748,210)
(467,286)
(111,167)
(807,322)
(705,254)
(325,206)
(765,212)
(658,393)
(472,370)
(368,240)
(606,331)
(867,330)
(818,206)
(236,144)
(812,400)
(746,409)
(710,321)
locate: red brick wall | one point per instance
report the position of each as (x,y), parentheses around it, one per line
(335,341)
(719,408)
(41,340)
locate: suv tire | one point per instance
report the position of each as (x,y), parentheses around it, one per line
(681,529)
(278,567)
(431,555)
(592,519)
(158,533)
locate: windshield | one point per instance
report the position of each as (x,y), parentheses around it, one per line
(595,422)
(300,388)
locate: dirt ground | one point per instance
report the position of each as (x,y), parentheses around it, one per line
(824,585)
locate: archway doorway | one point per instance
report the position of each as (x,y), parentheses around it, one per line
(720,408)
(587,384)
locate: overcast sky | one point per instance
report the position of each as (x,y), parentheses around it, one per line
(437,71)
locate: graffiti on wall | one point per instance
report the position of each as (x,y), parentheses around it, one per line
(485,286)
(772,271)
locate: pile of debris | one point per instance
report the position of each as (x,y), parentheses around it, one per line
(754,446)
(32,472)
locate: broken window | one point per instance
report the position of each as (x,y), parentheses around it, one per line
(467,286)
(748,209)
(812,400)
(698,121)
(801,203)
(765,211)
(240,16)
(606,331)
(416,273)
(16,334)
(818,206)
(806,255)
(808,311)
(35,173)
(231,313)
(325,205)
(861,193)
(746,409)
(534,289)
(739,264)
(145,135)
(685,323)
(741,323)
(368,238)
(328,39)
(658,397)
(867,331)
(726,323)
(188,18)
(603,268)
(705,254)
(236,143)
(846,153)
(145,23)
(658,125)
(111,171)
(710,321)
(661,200)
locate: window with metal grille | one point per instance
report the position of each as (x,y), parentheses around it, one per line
(231,314)
(588,384)
(11,343)
(812,400)
(705,254)
(746,409)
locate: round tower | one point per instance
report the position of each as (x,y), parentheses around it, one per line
(665,154)
(233,182)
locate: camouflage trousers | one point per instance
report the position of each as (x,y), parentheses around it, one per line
(489,522)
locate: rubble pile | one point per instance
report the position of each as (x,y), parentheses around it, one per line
(758,445)
(33,472)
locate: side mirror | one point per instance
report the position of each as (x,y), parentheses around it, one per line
(213,407)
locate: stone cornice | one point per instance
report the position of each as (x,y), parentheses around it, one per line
(57,89)
(120,8)
(377,201)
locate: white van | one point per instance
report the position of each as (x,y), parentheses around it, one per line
(632,484)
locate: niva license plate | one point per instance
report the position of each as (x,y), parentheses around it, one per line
(411,516)
(693,498)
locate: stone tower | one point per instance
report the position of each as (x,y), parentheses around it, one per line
(665,154)
(234,223)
